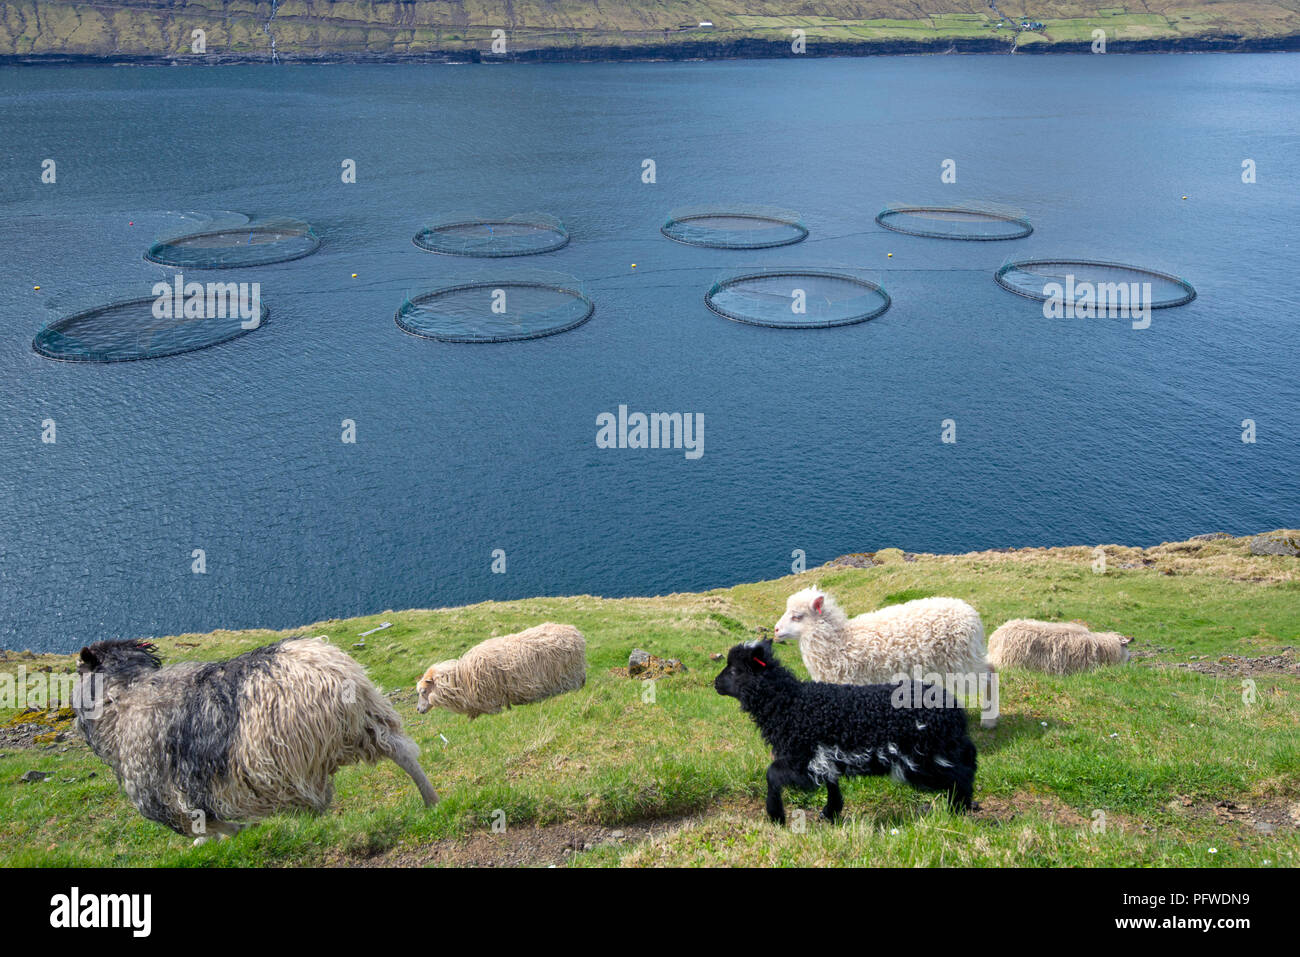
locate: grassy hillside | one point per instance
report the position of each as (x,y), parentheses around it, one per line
(1165,752)
(127,29)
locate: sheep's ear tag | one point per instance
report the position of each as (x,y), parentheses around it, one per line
(760,661)
(817,604)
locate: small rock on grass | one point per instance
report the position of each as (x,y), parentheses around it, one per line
(1276,543)
(642,664)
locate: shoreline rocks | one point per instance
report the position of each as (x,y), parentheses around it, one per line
(1280,542)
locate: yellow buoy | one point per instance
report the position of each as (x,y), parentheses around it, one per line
(634,265)
(354,275)
(37,288)
(1184,197)
(891,255)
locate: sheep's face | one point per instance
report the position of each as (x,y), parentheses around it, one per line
(745,664)
(123,661)
(88,693)
(1123,645)
(802,610)
(427,686)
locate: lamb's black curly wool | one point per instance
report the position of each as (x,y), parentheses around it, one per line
(822,732)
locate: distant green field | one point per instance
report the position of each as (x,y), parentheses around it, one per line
(1153,763)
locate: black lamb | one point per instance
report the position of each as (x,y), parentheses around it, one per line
(822,732)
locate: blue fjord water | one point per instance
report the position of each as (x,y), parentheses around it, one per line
(1069,431)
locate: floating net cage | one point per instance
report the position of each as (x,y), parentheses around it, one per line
(466,235)
(258,242)
(797,299)
(500,309)
(734,227)
(972,223)
(126,329)
(1073,280)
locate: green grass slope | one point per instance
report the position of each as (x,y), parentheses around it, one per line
(1172,760)
(128,29)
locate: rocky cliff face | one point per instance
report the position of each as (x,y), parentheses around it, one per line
(217,30)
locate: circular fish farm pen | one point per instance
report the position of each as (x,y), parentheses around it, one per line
(259,243)
(734,227)
(524,235)
(797,299)
(1032,277)
(127,330)
(970,223)
(497,310)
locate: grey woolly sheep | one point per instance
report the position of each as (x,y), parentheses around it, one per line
(206,747)
(1056,647)
(522,668)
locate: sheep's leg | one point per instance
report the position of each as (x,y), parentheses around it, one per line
(406,756)
(783,773)
(834,801)
(988,699)
(219,830)
(775,782)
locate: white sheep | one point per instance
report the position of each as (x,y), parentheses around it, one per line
(529,666)
(937,636)
(1056,647)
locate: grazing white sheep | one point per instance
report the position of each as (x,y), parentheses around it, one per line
(1056,647)
(941,636)
(534,664)
(206,747)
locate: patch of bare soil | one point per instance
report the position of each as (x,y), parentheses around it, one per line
(545,846)
(1286,662)
(1264,816)
(1004,810)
